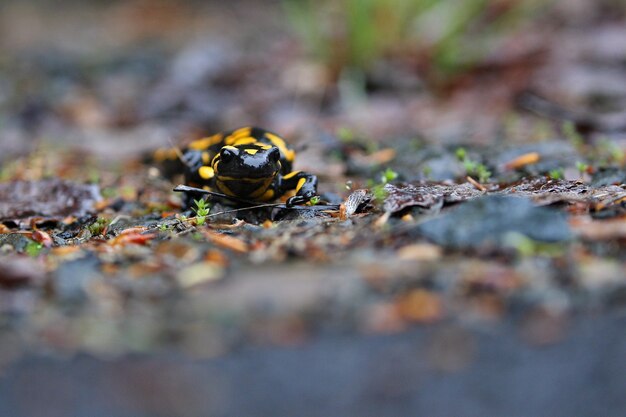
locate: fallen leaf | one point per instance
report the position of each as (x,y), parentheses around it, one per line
(522,160)
(134,235)
(227,242)
(42,237)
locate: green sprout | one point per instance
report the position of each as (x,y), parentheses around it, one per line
(473,168)
(378,188)
(379,193)
(315,200)
(33,249)
(556,174)
(97,228)
(388,175)
(202,210)
(582,167)
(461,154)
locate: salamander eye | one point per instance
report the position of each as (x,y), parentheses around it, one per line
(274,155)
(226,155)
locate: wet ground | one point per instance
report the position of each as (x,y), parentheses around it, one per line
(467,258)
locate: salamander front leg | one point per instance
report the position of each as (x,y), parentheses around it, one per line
(304,183)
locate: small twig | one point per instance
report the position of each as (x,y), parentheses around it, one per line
(252,204)
(179,153)
(476,183)
(246,208)
(187,189)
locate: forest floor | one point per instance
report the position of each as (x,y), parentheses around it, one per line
(475,231)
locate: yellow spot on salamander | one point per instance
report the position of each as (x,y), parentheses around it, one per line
(291,175)
(206,158)
(204,143)
(251,151)
(224,188)
(268,195)
(206,172)
(262,188)
(280,144)
(244,141)
(243,131)
(238,135)
(300,184)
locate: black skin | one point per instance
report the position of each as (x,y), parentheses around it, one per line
(253,171)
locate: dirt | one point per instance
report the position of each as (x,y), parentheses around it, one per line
(468,230)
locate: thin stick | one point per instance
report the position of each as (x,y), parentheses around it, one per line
(179,153)
(245,208)
(185,188)
(253,204)
(476,183)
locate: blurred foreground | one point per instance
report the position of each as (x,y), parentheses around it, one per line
(476,267)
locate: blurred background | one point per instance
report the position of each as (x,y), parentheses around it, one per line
(87,73)
(88,88)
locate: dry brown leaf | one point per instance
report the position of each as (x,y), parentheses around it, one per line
(227,241)
(133,235)
(522,161)
(42,237)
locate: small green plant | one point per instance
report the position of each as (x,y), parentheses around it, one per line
(461,154)
(202,210)
(556,174)
(582,167)
(164,227)
(378,188)
(33,248)
(379,193)
(388,175)
(315,200)
(97,228)
(473,168)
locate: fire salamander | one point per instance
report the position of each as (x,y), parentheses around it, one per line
(247,163)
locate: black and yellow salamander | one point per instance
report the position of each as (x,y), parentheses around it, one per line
(248,163)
